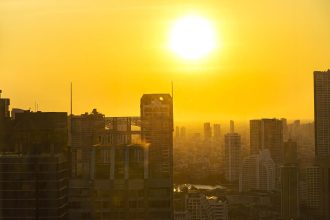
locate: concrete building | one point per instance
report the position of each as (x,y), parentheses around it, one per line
(290,152)
(289,192)
(218,208)
(130,165)
(217,132)
(257,172)
(207,131)
(311,195)
(201,207)
(322,137)
(34,167)
(157,132)
(232,156)
(83,133)
(267,134)
(4,121)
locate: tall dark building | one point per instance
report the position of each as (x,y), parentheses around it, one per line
(207,131)
(83,132)
(267,134)
(289,192)
(232,156)
(34,167)
(4,121)
(290,152)
(322,137)
(289,182)
(157,133)
(217,131)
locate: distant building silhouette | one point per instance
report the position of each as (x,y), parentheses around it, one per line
(177,132)
(257,172)
(290,200)
(267,134)
(290,152)
(232,155)
(289,192)
(207,131)
(183,132)
(217,131)
(311,194)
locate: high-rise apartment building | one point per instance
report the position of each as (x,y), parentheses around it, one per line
(311,194)
(322,114)
(83,133)
(289,192)
(34,167)
(217,131)
(232,156)
(290,152)
(4,121)
(267,134)
(130,170)
(322,137)
(157,133)
(257,172)
(207,131)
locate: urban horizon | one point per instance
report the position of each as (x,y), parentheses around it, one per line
(176,110)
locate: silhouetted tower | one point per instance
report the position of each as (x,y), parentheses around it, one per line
(267,134)
(232,126)
(157,132)
(207,131)
(4,119)
(217,131)
(322,137)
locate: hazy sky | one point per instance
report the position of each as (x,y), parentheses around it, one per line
(114,51)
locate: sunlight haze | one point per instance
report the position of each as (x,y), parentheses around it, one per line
(113,52)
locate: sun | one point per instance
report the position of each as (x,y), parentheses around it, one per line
(192,37)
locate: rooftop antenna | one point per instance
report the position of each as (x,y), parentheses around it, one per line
(71,98)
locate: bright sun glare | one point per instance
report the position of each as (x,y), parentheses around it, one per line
(192,37)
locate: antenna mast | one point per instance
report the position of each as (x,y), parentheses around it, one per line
(71,99)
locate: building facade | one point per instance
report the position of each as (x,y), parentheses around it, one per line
(232,156)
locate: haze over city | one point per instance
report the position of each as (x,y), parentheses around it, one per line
(176,110)
(113,51)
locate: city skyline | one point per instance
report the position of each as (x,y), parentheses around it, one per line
(250,76)
(176,110)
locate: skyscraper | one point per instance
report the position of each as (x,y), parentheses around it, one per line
(157,132)
(216,131)
(257,172)
(183,132)
(84,130)
(4,119)
(207,131)
(34,167)
(290,152)
(289,192)
(267,134)
(232,156)
(322,114)
(322,136)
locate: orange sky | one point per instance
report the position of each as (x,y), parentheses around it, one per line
(114,51)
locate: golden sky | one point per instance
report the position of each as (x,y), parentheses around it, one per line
(114,51)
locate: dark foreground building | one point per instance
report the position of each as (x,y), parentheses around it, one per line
(123,165)
(33,165)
